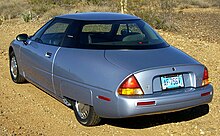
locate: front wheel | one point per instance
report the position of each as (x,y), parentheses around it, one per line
(14,70)
(85,114)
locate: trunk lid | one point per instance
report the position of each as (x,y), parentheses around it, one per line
(149,66)
(136,60)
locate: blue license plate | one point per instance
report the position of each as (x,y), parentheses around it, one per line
(172,81)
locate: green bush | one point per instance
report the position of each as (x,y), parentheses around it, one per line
(27,17)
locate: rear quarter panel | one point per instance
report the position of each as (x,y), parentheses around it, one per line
(82,74)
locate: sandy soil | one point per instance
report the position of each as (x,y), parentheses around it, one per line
(26,110)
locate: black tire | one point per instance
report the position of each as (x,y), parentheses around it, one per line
(89,118)
(14,70)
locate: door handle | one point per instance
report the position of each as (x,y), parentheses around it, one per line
(48,54)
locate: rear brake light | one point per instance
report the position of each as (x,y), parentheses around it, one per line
(104,98)
(146,103)
(205,80)
(205,94)
(130,87)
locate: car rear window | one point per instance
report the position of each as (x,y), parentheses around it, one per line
(125,34)
(97,28)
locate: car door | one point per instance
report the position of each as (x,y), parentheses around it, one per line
(39,53)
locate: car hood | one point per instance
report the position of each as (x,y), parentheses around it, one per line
(135,60)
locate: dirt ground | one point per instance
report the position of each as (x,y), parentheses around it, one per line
(26,110)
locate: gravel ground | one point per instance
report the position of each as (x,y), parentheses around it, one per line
(26,110)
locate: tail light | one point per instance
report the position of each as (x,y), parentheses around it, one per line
(205,80)
(130,87)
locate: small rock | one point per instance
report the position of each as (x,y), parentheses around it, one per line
(202,132)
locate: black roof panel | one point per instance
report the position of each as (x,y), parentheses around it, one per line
(98,16)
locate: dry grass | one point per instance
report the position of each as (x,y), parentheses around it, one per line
(11,8)
(158,13)
(94,8)
(54,12)
(26,110)
(182,4)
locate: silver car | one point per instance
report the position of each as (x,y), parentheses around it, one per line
(108,65)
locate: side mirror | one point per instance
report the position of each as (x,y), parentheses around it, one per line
(22,37)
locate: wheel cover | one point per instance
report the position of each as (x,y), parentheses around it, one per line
(82,110)
(14,67)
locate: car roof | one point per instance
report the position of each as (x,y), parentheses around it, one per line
(98,16)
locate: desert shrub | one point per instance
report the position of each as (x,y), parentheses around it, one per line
(61,2)
(184,6)
(50,8)
(85,7)
(200,3)
(48,2)
(27,17)
(1,21)
(66,2)
(167,4)
(157,13)
(11,9)
(54,12)
(40,9)
(197,3)
(216,3)
(96,2)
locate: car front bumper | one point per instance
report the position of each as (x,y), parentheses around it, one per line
(163,102)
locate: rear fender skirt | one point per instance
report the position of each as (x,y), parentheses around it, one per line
(105,102)
(76,92)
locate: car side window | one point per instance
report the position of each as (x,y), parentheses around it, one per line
(55,33)
(37,35)
(71,38)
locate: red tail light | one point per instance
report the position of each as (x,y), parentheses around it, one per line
(205,80)
(146,103)
(130,87)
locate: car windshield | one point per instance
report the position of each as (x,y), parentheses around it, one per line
(134,34)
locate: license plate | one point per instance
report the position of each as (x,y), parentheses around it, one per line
(172,81)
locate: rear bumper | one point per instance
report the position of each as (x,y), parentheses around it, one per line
(164,102)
